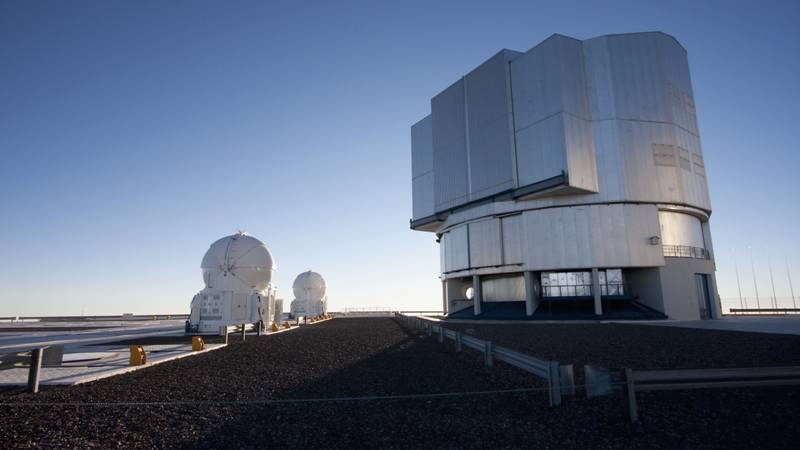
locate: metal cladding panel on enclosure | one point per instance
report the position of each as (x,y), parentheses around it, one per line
(503,288)
(513,252)
(450,164)
(641,83)
(592,236)
(490,124)
(485,243)
(553,134)
(422,168)
(681,229)
(455,249)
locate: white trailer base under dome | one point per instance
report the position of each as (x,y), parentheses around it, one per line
(568,182)
(237,271)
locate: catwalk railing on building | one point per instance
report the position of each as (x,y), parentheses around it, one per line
(685,251)
(560,378)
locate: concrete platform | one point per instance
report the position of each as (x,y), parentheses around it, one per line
(777,325)
(98,363)
(22,336)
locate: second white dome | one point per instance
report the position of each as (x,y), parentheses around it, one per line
(309,286)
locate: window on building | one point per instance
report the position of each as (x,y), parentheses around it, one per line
(579,284)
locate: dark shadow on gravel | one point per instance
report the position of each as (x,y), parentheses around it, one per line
(357,357)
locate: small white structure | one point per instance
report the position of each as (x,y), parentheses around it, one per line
(278,314)
(237,271)
(309,295)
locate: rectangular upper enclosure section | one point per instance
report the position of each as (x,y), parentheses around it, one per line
(608,119)
(422,167)
(551,119)
(518,120)
(473,153)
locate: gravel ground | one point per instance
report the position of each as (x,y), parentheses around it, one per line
(640,346)
(362,357)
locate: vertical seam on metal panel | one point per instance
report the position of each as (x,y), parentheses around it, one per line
(513,128)
(466,140)
(469,250)
(502,243)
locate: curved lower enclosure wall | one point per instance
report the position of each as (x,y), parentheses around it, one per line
(617,235)
(681,229)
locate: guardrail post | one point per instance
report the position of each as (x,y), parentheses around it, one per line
(459,346)
(441,334)
(554,382)
(260,328)
(630,396)
(488,348)
(598,381)
(33,373)
(567,373)
(244,332)
(223,331)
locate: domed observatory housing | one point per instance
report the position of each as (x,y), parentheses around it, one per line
(237,271)
(309,295)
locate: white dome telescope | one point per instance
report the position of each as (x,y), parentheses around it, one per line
(240,256)
(309,286)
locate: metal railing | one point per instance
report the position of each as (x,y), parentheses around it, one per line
(120,317)
(685,251)
(581,290)
(359,309)
(601,381)
(766,311)
(40,355)
(560,378)
(242,329)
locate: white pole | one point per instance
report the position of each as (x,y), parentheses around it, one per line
(772,281)
(791,289)
(738,283)
(755,283)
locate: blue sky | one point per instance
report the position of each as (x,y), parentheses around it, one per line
(132,135)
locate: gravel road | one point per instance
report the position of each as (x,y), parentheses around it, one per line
(372,357)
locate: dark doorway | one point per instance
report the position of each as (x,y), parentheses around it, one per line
(703,295)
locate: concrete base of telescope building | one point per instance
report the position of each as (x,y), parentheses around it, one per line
(683,289)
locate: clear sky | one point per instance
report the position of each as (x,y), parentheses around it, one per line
(133,134)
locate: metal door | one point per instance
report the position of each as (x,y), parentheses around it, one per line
(703,295)
(239,307)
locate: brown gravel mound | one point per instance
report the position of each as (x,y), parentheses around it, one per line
(362,357)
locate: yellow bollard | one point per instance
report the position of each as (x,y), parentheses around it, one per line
(138,355)
(274,327)
(197,344)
